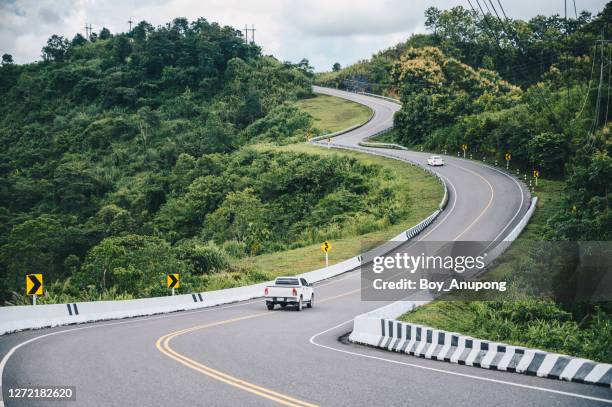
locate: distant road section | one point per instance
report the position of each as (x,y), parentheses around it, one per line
(241,354)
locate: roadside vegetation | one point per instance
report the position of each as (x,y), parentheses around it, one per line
(526,88)
(412,193)
(126,157)
(578,329)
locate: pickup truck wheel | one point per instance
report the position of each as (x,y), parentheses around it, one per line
(311,303)
(300,304)
(270,306)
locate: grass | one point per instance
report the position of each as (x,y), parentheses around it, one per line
(332,114)
(420,191)
(388,137)
(451,315)
(521,321)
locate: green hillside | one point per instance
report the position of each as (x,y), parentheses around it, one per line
(126,157)
(526,88)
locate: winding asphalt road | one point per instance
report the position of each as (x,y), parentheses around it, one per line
(241,354)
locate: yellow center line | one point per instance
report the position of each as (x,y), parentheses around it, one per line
(163,345)
(485,208)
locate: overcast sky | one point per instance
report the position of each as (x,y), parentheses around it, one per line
(324,31)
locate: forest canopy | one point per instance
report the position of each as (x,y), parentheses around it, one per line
(125,156)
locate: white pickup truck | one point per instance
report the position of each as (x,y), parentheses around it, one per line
(289,291)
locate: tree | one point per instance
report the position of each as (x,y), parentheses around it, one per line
(204,258)
(121,48)
(336,67)
(32,247)
(141,31)
(548,151)
(242,217)
(132,264)
(78,40)
(56,48)
(76,185)
(7,59)
(305,66)
(105,34)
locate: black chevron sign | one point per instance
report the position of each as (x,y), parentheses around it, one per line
(173,281)
(34,284)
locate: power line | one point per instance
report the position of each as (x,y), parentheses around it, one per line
(586,98)
(539,91)
(509,22)
(486,20)
(597,117)
(497,15)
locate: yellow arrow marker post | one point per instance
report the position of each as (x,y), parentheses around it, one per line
(326,247)
(34,286)
(464,147)
(508,158)
(173,281)
(536,175)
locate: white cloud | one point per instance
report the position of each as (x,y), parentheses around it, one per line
(324,31)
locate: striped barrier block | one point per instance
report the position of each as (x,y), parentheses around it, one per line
(430,343)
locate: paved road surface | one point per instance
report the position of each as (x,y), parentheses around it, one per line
(241,354)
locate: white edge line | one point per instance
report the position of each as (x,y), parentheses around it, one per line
(136,320)
(433,369)
(8,355)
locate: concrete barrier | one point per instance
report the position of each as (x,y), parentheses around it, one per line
(378,328)
(49,315)
(429,343)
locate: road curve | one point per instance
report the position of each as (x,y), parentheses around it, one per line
(240,354)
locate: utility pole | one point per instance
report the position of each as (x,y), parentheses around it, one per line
(130,23)
(602,65)
(246,33)
(88,30)
(567,71)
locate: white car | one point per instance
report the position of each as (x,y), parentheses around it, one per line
(289,291)
(435,160)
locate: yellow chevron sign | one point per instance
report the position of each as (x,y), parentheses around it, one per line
(173,281)
(34,284)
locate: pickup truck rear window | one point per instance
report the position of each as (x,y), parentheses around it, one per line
(287,281)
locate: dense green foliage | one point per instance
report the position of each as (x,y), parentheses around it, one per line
(507,86)
(535,310)
(539,324)
(126,157)
(529,89)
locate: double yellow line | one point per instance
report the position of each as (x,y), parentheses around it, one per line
(163,345)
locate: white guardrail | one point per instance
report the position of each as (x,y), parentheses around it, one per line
(378,328)
(16,318)
(398,308)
